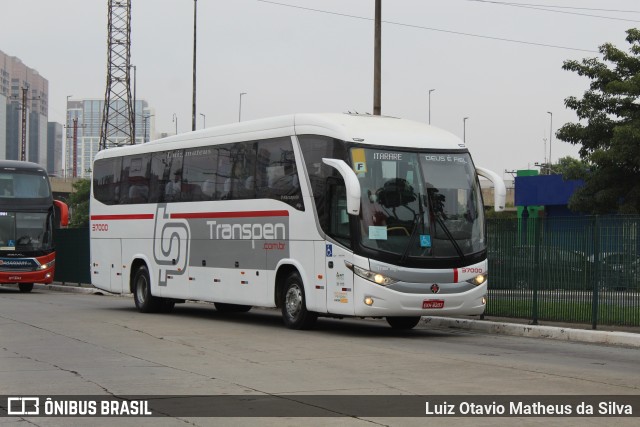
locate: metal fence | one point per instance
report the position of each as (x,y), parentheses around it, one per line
(72,255)
(569,269)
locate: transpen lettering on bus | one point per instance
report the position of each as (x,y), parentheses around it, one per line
(253,231)
(315,214)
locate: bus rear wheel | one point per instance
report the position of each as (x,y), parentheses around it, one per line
(145,301)
(25,287)
(294,304)
(408,322)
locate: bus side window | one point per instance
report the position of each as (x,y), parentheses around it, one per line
(135,179)
(106,180)
(198,174)
(276,172)
(157,180)
(338,216)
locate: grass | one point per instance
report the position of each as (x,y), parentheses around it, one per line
(564,311)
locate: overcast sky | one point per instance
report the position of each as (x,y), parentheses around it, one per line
(289,58)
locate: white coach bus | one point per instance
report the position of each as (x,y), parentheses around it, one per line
(317,214)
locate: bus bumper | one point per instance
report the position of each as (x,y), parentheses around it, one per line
(383,302)
(41,276)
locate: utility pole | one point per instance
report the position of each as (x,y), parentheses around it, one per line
(74,147)
(377,41)
(550,137)
(193,106)
(23,139)
(23,145)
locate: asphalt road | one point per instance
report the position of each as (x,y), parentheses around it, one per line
(54,343)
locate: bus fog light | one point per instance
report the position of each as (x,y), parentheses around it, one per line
(368,301)
(484,300)
(48,275)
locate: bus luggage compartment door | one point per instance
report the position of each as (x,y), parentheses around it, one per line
(106,264)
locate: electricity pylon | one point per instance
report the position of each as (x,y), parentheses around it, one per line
(117,113)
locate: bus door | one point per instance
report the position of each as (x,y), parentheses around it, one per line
(337,255)
(106,264)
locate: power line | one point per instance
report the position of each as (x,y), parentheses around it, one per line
(544,8)
(430,28)
(556,7)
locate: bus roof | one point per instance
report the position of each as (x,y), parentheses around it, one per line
(20,165)
(366,129)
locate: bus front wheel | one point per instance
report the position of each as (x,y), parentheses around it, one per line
(25,287)
(294,304)
(403,322)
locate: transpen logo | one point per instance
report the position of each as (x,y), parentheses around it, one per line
(170,245)
(251,231)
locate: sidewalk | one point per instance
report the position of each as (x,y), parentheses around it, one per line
(622,336)
(626,336)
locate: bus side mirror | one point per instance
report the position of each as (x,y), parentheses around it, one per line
(499,189)
(351,183)
(64,212)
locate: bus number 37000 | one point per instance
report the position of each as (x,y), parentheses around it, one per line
(100,227)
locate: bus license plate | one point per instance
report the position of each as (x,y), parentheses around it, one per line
(433,303)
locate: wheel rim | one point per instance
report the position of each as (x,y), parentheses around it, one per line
(293,301)
(141,289)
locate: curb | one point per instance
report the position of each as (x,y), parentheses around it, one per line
(68,288)
(625,339)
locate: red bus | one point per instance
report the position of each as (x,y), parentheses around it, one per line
(27,218)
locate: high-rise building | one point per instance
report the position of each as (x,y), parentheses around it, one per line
(54,149)
(21,86)
(84,119)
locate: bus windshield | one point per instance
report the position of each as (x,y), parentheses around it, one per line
(419,204)
(25,231)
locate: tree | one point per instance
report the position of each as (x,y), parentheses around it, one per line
(79,204)
(570,168)
(609,129)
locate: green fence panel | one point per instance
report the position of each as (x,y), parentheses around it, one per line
(72,255)
(570,269)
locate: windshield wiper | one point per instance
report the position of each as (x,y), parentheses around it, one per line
(418,220)
(449,235)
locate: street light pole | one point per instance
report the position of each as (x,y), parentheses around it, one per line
(175,119)
(67,159)
(204,121)
(550,134)
(133,125)
(377,43)
(430,90)
(146,127)
(240,106)
(464,130)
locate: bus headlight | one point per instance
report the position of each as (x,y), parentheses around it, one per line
(371,276)
(46,265)
(479,279)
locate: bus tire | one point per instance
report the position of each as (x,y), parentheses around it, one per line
(403,322)
(145,302)
(294,305)
(25,287)
(231,308)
